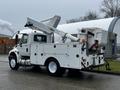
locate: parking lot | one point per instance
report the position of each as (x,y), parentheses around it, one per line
(27,79)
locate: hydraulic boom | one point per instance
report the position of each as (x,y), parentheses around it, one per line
(50,28)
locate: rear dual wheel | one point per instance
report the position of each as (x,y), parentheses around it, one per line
(54,68)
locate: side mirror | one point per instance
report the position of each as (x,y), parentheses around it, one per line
(16,39)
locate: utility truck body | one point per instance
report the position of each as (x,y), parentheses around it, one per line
(38,48)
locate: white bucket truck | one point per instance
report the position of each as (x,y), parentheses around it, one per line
(38,49)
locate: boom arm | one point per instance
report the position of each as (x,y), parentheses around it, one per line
(50,28)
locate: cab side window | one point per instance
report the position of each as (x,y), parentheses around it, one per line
(24,39)
(40,38)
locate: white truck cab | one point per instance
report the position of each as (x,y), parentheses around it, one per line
(27,39)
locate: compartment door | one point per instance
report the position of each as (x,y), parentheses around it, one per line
(36,54)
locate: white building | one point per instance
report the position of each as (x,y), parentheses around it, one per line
(109,24)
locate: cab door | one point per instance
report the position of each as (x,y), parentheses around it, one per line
(24,46)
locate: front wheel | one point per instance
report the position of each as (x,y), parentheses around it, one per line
(54,68)
(13,63)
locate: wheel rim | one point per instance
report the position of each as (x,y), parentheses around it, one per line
(52,67)
(12,63)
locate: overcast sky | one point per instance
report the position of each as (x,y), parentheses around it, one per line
(16,11)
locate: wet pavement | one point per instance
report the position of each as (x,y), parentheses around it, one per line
(27,79)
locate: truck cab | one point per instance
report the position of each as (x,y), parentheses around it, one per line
(22,51)
(24,45)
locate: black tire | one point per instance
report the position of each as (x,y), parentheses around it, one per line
(54,69)
(13,62)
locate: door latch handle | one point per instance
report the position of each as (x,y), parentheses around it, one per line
(26,49)
(35,54)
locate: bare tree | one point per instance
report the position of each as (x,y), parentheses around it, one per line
(73,20)
(111,8)
(89,16)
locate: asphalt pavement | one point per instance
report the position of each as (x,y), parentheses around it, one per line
(27,79)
